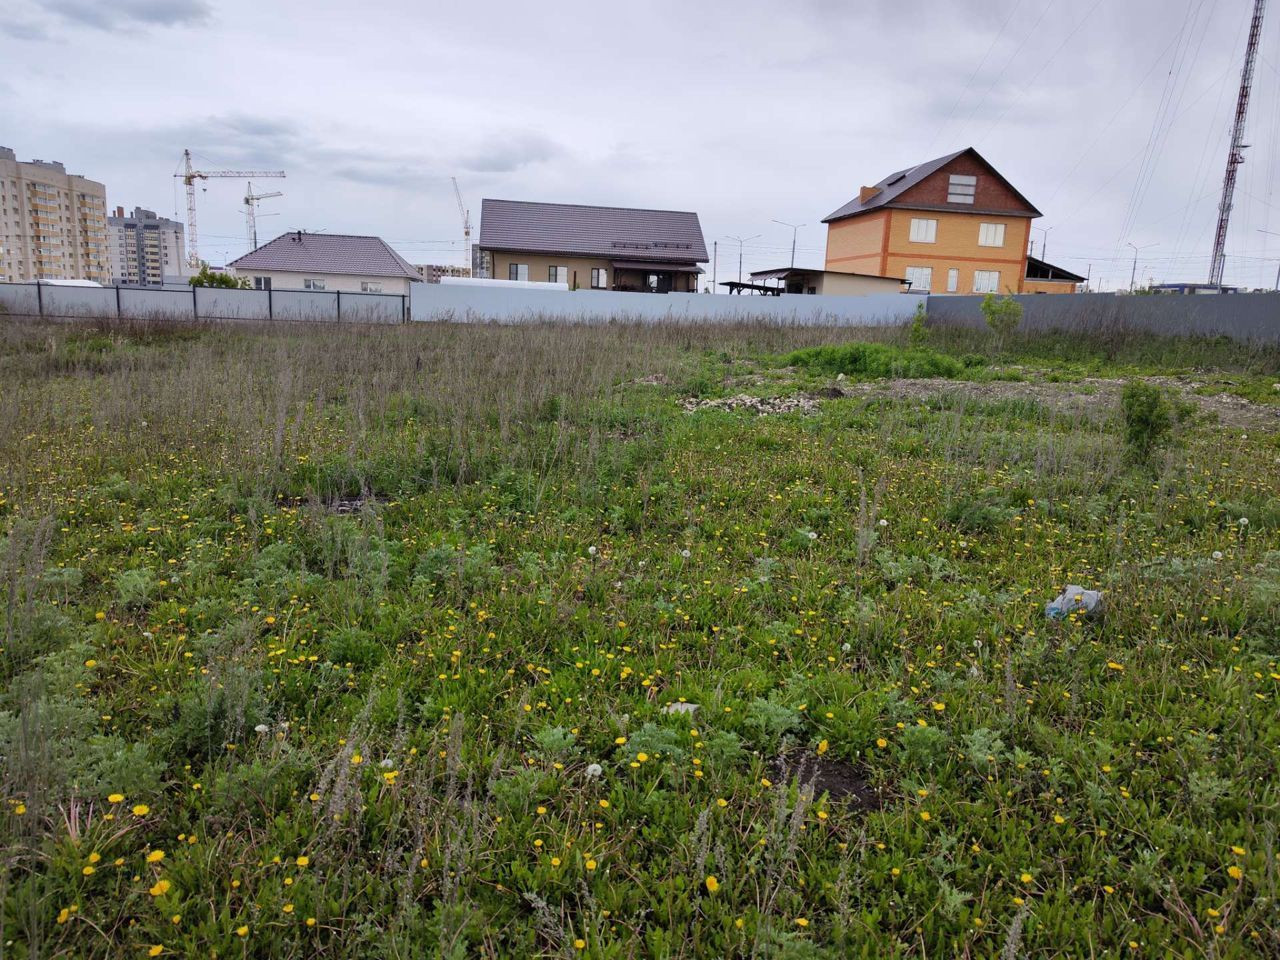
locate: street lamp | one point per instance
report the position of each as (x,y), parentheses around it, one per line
(1044,241)
(794,227)
(1134,273)
(740,241)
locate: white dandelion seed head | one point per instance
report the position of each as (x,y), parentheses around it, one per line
(1243,521)
(262,728)
(385,764)
(846,647)
(1217,554)
(884,522)
(594,770)
(685,554)
(592,550)
(812,535)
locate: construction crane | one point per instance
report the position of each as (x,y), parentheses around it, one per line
(1235,153)
(189,177)
(251,212)
(466,225)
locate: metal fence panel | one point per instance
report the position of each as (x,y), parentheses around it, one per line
(218,303)
(77,301)
(19,299)
(1242,316)
(154,304)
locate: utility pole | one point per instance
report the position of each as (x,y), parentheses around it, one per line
(740,241)
(1235,153)
(1044,241)
(1134,272)
(794,227)
(1274,234)
(715,263)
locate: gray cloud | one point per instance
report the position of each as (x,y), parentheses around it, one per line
(122,14)
(510,153)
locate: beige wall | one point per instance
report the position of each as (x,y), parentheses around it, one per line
(834,285)
(52,224)
(1048,286)
(346,283)
(539,265)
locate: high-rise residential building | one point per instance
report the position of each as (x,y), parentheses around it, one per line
(146,249)
(53,225)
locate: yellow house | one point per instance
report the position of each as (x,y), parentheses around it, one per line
(952,225)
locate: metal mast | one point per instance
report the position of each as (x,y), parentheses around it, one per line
(1235,154)
(189,178)
(251,212)
(465,214)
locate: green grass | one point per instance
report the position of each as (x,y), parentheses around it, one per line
(879,360)
(345,617)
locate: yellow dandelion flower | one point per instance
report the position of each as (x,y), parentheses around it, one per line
(1025,878)
(116,798)
(801,922)
(88,871)
(579,944)
(926,816)
(156,950)
(303,860)
(160,889)
(1234,872)
(712,884)
(141,810)
(823,747)
(155,856)
(242,931)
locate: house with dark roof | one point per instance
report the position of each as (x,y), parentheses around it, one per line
(601,248)
(327,261)
(951,225)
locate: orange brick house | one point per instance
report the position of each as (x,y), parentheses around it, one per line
(952,225)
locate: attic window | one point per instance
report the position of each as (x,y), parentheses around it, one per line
(961,188)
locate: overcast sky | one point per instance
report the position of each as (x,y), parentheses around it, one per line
(1111,116)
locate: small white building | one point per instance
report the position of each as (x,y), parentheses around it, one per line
(326,261)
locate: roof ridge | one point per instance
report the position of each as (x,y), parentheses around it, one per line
(586,206)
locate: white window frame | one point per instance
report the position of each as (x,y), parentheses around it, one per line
(599,278)
(991,234)
(518,271)
(313,283)
(918,273)
(962,188)
(953,280)
(370,286)
(986,281)
(924,230)
(260,283)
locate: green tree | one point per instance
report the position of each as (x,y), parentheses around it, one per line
(1147,419)
(207,278)
(918,334)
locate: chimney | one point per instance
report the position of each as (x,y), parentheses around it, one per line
(866,193)
(119,211)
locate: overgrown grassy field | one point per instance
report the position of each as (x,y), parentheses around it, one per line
(386,642)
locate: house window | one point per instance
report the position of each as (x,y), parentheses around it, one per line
(370,286)
(991,234)
(518,271)
(310,283)
(557,274)
(924,230)
(599,278)
(953,280)
(961,188)
(920,278)
(986,281)
(262,283)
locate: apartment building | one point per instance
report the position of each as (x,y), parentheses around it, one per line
(53,225)
(950,225)
(146,249)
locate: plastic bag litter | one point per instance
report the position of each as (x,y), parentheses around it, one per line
(1074,599)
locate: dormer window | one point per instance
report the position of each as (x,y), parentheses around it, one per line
(961,188)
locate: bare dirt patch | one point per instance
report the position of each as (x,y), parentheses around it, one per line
(843,782)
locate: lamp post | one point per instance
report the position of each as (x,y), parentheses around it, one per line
(740,241)
(1044,241)
(794,228)
(1134,272)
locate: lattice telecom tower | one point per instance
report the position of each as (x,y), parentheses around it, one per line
(1235,153)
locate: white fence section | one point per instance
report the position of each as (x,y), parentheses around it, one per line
(447,302)
(475,304)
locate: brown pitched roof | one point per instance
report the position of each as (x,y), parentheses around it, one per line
(884,193)
(299,252)
(612,232)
